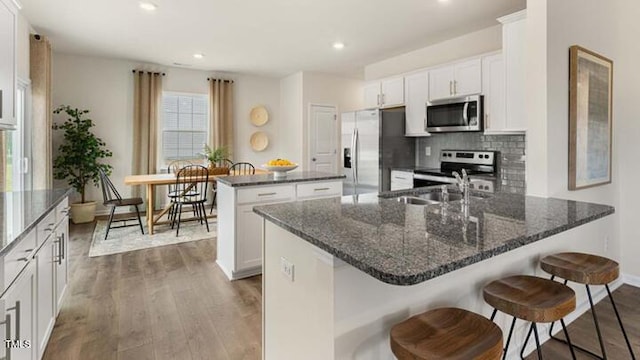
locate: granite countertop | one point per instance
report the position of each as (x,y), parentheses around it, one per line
(269,179)
(407,244)
(20,211)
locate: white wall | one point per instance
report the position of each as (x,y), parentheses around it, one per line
(290,129)
(24,30)
(475,43)
(105,86)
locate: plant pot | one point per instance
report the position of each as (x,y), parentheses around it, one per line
(214,170)
(83,212)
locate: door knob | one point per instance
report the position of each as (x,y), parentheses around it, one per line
(313,159)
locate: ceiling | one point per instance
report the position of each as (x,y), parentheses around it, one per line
(264,37)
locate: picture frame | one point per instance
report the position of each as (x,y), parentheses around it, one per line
(590,118)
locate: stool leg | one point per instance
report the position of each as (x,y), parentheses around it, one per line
(506,348)
(535,333)
(493,315)
(624,333)
(566,334)
(553,323)
(595,320)
(526,341)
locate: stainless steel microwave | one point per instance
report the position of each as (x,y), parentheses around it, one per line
(459,114)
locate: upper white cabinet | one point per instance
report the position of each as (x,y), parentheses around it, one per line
(416,92)
(514,55)
(8,29)
(493,88)
(384,93)
(456,80)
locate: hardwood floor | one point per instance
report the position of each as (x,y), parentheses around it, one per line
(173,302)
(169,302)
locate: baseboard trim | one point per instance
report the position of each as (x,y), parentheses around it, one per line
(631,280)
(543,329)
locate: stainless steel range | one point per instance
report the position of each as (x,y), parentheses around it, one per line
(480,165)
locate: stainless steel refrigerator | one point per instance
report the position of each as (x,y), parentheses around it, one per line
(373,142)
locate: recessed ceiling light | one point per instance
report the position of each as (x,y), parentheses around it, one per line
(443,1)
(148,6)
(198,55)
(338,45)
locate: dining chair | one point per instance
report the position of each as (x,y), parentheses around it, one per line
(191,186)
(242,168)
(112,199)
(173,168)
(214,188)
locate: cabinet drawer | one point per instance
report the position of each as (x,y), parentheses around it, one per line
(16,259)
(266,194)
(45,227)
(62,210)
(319,189)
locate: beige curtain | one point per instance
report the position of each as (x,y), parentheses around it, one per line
(147,94)
(221,115)
(42,140)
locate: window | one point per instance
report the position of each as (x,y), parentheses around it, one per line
(184,125)
(18,144)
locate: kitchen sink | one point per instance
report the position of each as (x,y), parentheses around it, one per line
(437,197)
(413,200)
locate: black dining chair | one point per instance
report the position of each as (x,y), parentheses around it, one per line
(173,168)
(112,199)
(242,168)
(214,190)
(191,186)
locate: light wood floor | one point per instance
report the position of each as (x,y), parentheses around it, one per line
(169,302)
(173,302)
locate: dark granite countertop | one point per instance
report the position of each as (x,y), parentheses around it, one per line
(20,212)
(269,179)
(407,244)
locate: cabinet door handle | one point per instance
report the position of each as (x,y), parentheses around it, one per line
(17,310)
(63,247)
(267,194)
(425,124)
(455,87)
(378,100)
(382,101)
(7,330)
(486,121)
(321,189)
(58,241)
(23,259)
(450,87)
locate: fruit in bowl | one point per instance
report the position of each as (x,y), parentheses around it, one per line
(280,167)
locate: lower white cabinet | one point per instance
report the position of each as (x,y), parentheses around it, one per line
(31,299)
(240,229)
(20,315)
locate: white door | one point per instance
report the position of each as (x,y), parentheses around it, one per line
(62,272)
(441,83)
(323,133)
(18,302)
(371,94)
(468,78)
(392,92)
(416,94)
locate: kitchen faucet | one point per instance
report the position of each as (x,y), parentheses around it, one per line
(463,185)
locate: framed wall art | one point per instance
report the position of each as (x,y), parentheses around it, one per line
(590,118)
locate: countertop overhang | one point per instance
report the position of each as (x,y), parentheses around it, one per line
(404,244)
(270,179)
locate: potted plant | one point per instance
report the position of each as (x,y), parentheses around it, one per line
(78,159)
(217,159)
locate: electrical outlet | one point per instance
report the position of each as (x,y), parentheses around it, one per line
(287,268)
(427,150)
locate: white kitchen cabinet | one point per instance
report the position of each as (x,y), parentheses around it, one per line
(401,180)
(514,54)
(8,30)
(384,93)
(240,229)
(493,89)
(61,261)
(456,80)
(416,92)
(45,274)
(20,315)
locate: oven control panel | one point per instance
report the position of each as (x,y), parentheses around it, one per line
(468,157)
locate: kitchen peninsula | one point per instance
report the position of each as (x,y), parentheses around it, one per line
(239,229)
(339,273)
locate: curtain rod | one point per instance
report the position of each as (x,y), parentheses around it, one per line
(148,72)
(223,80)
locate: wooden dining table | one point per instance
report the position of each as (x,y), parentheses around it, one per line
(151,181)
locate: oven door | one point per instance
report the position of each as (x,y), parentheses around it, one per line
(455,115)
(421,180)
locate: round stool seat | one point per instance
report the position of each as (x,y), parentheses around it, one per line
(581,268)
(530,298)
(447,333)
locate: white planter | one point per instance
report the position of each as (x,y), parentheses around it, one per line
(83,212)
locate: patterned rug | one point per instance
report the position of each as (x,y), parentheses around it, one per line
(130,239)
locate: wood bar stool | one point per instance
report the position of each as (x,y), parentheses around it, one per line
(531,299)
(446,333)
(586,269)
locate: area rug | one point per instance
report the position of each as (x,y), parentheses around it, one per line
(130,239)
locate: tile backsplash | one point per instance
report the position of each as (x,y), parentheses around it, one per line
(510,162)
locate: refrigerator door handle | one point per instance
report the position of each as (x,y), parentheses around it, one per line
(356,138)
(354,155)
